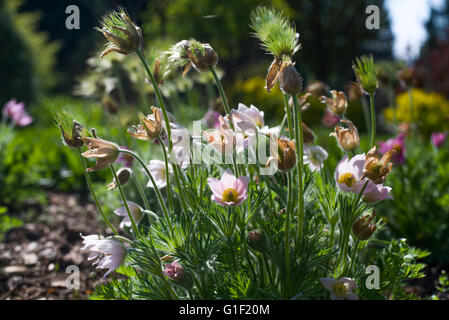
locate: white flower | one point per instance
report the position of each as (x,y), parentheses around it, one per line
(340,289)
(135,210)
(314,156)
(248,118)
(157,170)
(107,253)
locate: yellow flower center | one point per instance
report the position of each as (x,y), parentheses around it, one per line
(230,195)
(347,178)
(340,289)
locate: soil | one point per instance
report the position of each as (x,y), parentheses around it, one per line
(34,257)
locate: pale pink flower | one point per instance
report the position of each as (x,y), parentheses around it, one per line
(438,139)
(174,270)
(229,191)
(107,253)
(159,173)
(248,118)
(222,140)
(348,176)
(340,289)
(135,210)
(16,111)
(314,156)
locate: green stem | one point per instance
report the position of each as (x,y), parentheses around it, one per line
(288,111)
(141,192)
(156,188)
(222,95)
(373,120)
(125,202)
(167,174)
(287,226)
(299,165)
(89,183)
(158,96)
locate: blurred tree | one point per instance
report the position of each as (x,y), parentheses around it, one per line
(27,57)
(433,64)
(332,32)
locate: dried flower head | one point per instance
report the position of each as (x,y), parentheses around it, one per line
(338,103)
(318,88)
(290,81)
(106,152)
(284,155)
(191,52)
(363,228)
(123,35)
(377,169)
(278,37)
(347,137)
(366,74)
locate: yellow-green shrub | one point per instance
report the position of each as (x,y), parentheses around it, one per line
(430,111)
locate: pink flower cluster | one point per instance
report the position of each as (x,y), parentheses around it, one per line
(17,113)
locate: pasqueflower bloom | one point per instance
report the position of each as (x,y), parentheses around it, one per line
(347,137)
(338,103)
(211,119)
(222,140)
(229,190)
(159,173)
(107,253)
(135,210)
(174,270)
(106,152)
(340,289)
(349,177)
(314,156)
(396,144)
(248,118)
(124,158)
(283,153)
(16,111)
(123,175)
(377,169)
(438,139)
(330,119)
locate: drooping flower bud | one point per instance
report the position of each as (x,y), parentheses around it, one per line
(307,133)
(73,140)
(201,55)
(338,103)
(347,137)
(377,169)
(285,155)
(153,123)
(289,79)
(174,271)
(106,152)
(123,35)
(363,228)
(123,175)
(255,239)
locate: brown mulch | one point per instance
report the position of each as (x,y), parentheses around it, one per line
(34,256)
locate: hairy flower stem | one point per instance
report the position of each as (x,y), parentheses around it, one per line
(227,110)
(125,202)
(156,188)
(180,187)
(288,111)
(158,96)
(141,192)
(366,116)
(373,120)
(92,191)
(167,175)
(222,95)
(299,166)
(287,226)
